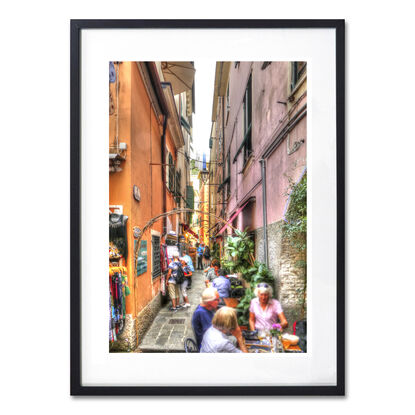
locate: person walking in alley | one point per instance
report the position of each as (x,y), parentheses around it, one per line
(206,256)
(203,315)
(189,262)
(175,267)
(183,286)
(200,249)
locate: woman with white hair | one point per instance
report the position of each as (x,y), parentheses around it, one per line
(224,324)
(264,310)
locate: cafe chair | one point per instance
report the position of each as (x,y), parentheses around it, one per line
(190,346)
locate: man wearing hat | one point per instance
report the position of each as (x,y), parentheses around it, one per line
(173,287)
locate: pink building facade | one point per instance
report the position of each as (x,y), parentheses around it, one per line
(260,133)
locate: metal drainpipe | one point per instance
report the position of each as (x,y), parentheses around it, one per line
(264,208)
(163,170)
(223,153)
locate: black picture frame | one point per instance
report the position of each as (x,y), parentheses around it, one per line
(76,27)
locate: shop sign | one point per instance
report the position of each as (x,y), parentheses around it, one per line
(142,258)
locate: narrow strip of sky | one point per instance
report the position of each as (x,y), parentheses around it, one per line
(202,119)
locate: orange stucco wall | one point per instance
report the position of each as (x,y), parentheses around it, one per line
(141,130)
(119,183)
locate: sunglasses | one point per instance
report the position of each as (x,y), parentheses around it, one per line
(263,284)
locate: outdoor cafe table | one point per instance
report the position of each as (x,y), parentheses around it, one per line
(257,344)
(263,346)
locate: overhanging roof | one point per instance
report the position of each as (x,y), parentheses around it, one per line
(221,83)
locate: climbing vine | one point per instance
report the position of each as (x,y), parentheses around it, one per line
(295,226)
(295,229)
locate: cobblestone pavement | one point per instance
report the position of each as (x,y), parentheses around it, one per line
(169,329)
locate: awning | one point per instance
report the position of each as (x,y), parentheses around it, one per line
(187,229)
(232,218)
(179,74)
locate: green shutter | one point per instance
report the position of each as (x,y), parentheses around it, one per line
(190,197)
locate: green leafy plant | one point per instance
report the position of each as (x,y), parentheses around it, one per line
(295,229)
(295,226)
(239,258)
(216,251)
(239,253)
(243,307)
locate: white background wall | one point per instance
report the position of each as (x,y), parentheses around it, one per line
(35,189)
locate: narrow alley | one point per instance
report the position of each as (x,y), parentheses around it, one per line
(230,194)
(169,329)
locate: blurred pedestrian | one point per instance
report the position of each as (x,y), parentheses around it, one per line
(206,256)
(189,262)
(183,286)
(172,284)
(200,249)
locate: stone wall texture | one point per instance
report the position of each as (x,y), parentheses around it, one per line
(285,262)
(146,317)
(126,341)
(135,329)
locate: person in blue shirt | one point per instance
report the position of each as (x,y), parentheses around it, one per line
(203,315)
(185,284)
(200,250)
(172,286)
(222,284)
(189,263)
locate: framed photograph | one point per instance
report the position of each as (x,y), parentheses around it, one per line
(208,184)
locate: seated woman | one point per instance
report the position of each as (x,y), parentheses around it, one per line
(224,324)
(264,310)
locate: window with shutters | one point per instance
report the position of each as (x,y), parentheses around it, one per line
(171,173)
(246,144)
(177,192)
(247,107)
(155,249)
(298,69)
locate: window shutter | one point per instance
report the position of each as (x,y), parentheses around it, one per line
(155,245)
